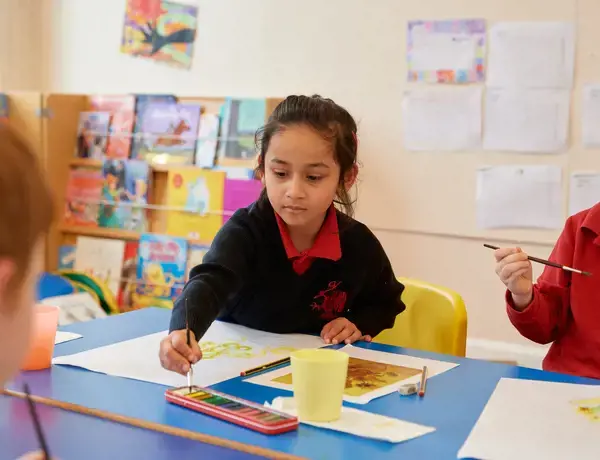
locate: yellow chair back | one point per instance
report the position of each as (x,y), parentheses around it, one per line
(435,320)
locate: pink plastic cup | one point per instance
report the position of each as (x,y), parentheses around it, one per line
(43,334)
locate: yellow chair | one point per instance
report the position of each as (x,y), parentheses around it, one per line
(435,320)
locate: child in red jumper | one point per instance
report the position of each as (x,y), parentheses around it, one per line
(562,308)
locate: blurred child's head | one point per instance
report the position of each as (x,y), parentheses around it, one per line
(307,159)
(26,211)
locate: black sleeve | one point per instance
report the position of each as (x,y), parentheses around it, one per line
(379,302)
(223,272)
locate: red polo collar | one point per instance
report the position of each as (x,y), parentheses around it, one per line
(327,243)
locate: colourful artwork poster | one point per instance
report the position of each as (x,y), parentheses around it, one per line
(448,51)
(160,30)
(365,376)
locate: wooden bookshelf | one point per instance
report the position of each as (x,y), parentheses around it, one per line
(58,128)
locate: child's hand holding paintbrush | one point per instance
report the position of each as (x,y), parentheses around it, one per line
(513,267)
(179,350)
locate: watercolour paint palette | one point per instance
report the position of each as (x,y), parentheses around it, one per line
(231,409)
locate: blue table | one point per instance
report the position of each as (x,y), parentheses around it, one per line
(452,405)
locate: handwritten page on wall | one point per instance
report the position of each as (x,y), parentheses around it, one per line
(590,116)
(584,191)
(442,119)
(531,55)
(530,120)
(519,196)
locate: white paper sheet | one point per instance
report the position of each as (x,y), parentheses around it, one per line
(228,350)
(433,368)
(531,55)
(519,196)
(446,119)
(584,191)
(590,116)
(75,308)
(361,423)
(527,419)
(62,337)
(526,120)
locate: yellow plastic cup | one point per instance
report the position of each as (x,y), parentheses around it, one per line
(43,335)
(319,380)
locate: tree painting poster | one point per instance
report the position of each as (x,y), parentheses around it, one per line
(161,30)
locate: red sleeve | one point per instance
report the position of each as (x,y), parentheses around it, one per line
(544,319)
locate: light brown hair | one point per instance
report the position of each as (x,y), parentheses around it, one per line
(26,205)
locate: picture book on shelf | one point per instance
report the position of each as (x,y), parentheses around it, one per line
(92,135)
(82,200)
(128,281)
(239,193)
(195,257)
(66,256)
(169,132)
(137,178)
(122,110)
(161,269)
(124,195)
(3,108)
(236,172)
(141,102)
(101,258)
(199,194)
(241,118)
(208,135)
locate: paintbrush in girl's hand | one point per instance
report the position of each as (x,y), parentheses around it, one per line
(547,262)
(36,423)
(190,373)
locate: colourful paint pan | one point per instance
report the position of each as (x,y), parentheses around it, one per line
(235,410)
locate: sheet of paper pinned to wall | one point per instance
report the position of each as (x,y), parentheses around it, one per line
(442,119)
(449,51)
(526,419)
(531,55)
(519,196)
(526,120)
(590,116)
(584,191)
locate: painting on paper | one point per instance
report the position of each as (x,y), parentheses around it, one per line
(448,51)
(589,408)
(161,30)
(365,376)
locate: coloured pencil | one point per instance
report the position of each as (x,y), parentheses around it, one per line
(190,373)
(423,384)
(265,367)
(158,427)
(547,262)
(36,423)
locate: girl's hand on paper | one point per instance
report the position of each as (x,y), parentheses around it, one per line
(340,330)
(514,270)
(175,355)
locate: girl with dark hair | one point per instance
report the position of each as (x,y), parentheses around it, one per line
(291,262)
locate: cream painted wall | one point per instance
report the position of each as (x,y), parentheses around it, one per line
(352,51)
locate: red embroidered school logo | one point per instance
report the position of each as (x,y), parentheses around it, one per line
(330,302)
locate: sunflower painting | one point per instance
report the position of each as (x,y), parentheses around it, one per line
(365,376)
(161,30)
